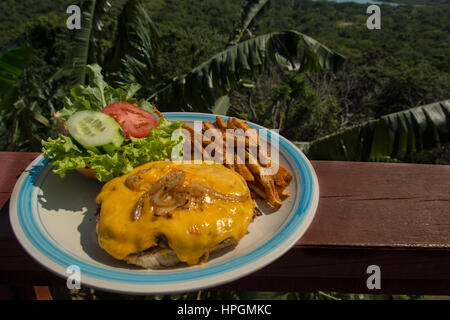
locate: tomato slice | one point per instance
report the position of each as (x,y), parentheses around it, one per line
(135,121)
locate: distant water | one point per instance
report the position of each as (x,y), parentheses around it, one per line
(366,2)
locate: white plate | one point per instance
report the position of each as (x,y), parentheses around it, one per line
(54,221)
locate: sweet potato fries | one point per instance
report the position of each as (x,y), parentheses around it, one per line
(250,165)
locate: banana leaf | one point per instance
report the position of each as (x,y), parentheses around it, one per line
(14,58)
(249,12)
(131,58)
(199,89)
(394,136)
(83,43)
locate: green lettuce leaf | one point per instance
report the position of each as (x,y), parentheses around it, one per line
(164,142)
(98,94)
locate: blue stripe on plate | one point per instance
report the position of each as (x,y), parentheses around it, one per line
(46,247)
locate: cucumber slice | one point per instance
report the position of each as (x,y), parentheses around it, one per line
(95,131)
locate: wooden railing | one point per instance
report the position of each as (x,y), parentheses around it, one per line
(395,216)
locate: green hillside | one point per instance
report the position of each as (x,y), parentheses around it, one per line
(405,64)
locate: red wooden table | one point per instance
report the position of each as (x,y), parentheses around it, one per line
(395,216)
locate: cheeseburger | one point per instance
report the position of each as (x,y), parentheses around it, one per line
(163,213)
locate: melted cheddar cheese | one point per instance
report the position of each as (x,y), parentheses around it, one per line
(191,232)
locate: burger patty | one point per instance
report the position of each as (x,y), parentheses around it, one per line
(162,257)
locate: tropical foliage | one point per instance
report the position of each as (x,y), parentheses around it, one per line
(14,58)
(401,135)
(84,43)
(199,89)
(21,111)
(132,55)
(135,41)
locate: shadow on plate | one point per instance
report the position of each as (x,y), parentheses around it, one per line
(264,206)
(73,193)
